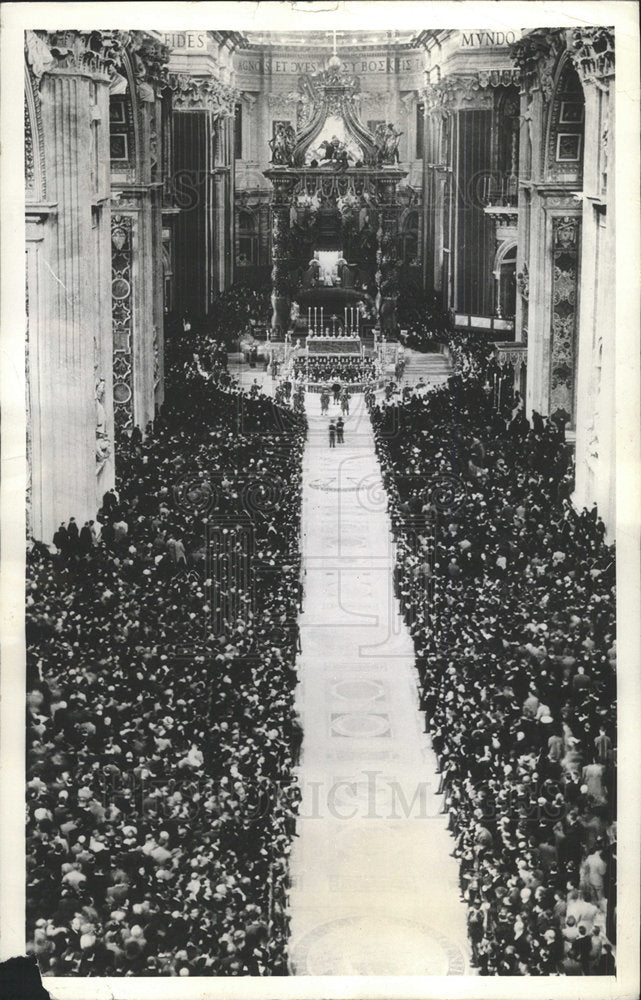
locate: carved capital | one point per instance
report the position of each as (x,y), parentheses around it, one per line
(592,52)
(149,61)
(93,53)
(536,55)
(458,89)
(203,94)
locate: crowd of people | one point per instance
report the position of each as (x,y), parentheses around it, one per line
(509,594)
(161,730)
(340,368)
(233,312)
(421,318)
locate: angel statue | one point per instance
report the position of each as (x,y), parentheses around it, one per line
(387,137)
(282,145)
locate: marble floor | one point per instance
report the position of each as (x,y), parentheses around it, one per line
(374,889)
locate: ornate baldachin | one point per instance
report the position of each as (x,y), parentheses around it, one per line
(333,92)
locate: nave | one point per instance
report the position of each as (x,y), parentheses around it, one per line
(374,885)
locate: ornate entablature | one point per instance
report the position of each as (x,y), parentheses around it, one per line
(203,94)
(457,89)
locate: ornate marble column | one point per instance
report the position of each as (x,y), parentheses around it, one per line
(281,196)
(69,336)
(387,254)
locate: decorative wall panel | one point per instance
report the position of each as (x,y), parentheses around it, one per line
(121,308)
(566,246)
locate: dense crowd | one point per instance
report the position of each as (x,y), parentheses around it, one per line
(236,311)
(509,594)
(343,369)
(161,731)
(420,315)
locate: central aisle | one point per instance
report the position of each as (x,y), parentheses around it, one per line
(374,889)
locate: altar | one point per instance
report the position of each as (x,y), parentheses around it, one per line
(319,345)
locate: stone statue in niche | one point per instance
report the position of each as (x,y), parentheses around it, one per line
(103,448)
(523,282)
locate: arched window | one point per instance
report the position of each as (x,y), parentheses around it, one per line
(246,240)
(565,131)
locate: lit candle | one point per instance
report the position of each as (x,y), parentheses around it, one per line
(314,319)
(345,315)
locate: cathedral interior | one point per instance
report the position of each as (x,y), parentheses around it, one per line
(321,415)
